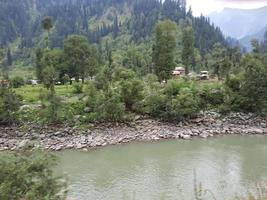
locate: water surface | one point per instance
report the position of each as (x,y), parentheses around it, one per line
(227,166)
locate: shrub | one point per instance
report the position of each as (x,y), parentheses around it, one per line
(130,87)
(9,105)
(104,105)
(29,175)
(185,105)
(111,109)
(173,104)
(17,82)
(210,97)
(51,107)
(77,88)
(173,87)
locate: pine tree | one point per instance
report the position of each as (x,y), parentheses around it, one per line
(9,57)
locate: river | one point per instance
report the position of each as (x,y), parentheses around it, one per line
(224,166)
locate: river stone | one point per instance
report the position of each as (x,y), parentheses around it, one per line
(257,131)
(87,110)
(186,137)
(25,144)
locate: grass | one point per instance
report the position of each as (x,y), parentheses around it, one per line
(30,94)
(21,71)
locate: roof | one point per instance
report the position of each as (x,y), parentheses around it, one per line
(179,69)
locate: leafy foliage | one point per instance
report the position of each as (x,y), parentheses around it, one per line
(29,175)
(164,49)
(9,105)
(17,82)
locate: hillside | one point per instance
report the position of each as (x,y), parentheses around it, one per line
(245,41)
(135,20)
(239,23)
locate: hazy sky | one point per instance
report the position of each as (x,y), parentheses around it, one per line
(207,6)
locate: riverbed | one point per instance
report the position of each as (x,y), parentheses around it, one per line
(172,169)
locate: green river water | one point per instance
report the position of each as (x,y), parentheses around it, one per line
(227,166)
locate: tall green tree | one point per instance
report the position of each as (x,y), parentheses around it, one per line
(217,58)
(164,49)
(80,57)
(49,62)
(188,48)
(9,57)
(47,24)
(255,46)
(264,43)
(38,63)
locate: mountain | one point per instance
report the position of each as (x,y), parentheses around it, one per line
(239,23)
(245,41)
(20,21)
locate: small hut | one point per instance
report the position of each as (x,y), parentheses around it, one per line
(178,71)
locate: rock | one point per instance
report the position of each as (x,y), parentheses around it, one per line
(186,137)
(137,117)
(257,131)
(24,108)
(25,144)
(80,146)
(87,110)
(58,148)
(58,133)
(77,118)
(204,135)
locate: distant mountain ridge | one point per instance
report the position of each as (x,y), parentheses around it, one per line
(239,23)
(246,41)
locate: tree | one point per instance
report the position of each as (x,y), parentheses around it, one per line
(38,63)
(49,61)
(9,57)
(164,49)
(47,24)
(80,57)
(217,58)
(188,48)
(65,79)
(254,86)
(264,43)
(255,46)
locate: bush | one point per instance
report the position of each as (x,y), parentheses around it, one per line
(29,175)
(111,109)
(77,88)
(178,100)
(17,82)
(51,107)
(104,105)
(211,97)
(130,88)
(9,105)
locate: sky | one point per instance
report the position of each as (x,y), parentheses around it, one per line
(206,7)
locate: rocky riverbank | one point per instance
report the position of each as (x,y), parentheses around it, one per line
(141,129)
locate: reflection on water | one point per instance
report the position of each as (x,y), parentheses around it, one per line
(227,166)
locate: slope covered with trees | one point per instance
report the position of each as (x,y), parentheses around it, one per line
(96,19)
